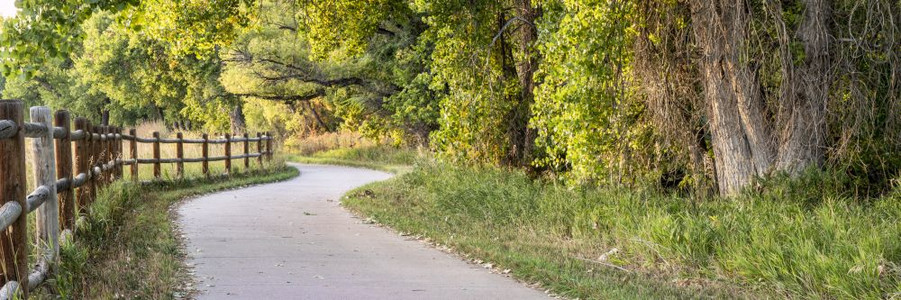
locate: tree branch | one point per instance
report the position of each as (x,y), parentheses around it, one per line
(382,30)
(287,27)
(340,82)
(290,99)
(47,86)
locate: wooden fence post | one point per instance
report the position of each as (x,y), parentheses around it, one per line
(205,149)
(268,146)
(108,151)
(99,157)
(260,149)
(180,154)
(228,154)
(156,155)
(117,146)
(246,152)
(92,152)
(64,171)
(13,242)
(82,164)
(44,169)
(134,153)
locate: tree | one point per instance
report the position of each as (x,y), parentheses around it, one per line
(690,94)
(746,141)
(586,115)
(46,29)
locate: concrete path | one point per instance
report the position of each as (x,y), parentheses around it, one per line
(292,240)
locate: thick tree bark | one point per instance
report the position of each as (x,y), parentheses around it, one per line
(802,140)
(741,131)
(715,26)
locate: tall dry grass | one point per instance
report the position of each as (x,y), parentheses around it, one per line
(168,171)
(145,150)
(329,141)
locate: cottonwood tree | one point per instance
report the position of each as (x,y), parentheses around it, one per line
(689,94)
(770,73)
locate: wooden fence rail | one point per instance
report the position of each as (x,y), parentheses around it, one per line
(69,167)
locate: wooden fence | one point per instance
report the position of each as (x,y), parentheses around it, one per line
(69,168)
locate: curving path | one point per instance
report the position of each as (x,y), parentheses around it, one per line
(292,240)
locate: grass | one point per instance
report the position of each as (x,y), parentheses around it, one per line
(378,157)
(128,247)
(786,241)
(168,171)
(329,141)
(145,171)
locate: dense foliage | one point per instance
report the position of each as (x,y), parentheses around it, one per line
(634,244)
(789,109)
(696,96)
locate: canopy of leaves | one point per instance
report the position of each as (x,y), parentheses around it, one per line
(585,111)
(611,91)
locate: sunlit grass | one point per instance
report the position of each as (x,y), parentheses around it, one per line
(128,247)
(379,157)
(789,240)
(329,141)
(192,182)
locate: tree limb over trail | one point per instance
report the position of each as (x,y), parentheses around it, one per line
(340,82)
(289,99)
(285,71)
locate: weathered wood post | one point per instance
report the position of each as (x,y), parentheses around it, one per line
(99,157)
(134,153)
(205,151)
(94,157)
(268,146)
(114,154)
(228,154)
(109,155)
(117,147)
(44,169)
(180,154)
(83,165)
(13,241)
(260,149)
(64,171)
(156,155)
(246,152)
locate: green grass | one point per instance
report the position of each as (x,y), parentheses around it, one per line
(385,158)
(128,247)
(769,244)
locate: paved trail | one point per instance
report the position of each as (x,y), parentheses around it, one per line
(292,240)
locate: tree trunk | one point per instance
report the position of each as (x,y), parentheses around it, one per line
(104,113)
(324,127)
(236,116)
(802,142)
(741,131)
(160,115)
(528,35)
(737,125)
